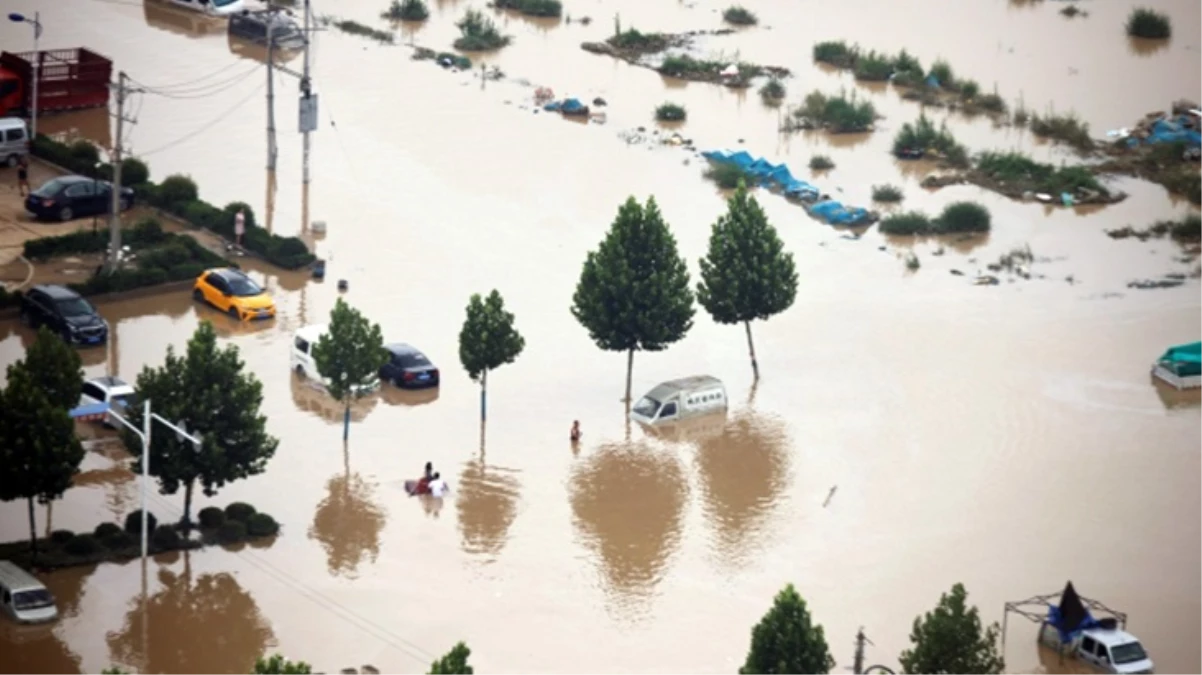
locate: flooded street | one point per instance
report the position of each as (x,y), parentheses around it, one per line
(1007,437)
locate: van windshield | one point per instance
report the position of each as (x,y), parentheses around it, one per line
(1128,653)
(646,407)
(35,599)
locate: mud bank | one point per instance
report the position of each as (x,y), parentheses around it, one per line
(643,50)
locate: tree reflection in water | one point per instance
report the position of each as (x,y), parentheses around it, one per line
(744,472)
(348,523)
(210,625)
(487,504)
(628,504)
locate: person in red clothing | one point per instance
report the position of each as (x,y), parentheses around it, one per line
(423,485)
(576,432)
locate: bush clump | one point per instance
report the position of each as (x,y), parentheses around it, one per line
(61,537)
(133,522)
(961,217)
(838,114)
(118,540)
(773,91)
(682,65)
(821,163)
(1067,128)
(478,33)
(106,530)
(1148,23)
(631,40)
(363,30)
(873,67)
(727,176)
(179,258)
(887,193)
(543,8)
(836,53)
(671,112)
(408,10)
(924,137)
(82,544)
(166,538)
(905,224)
(211,517)
(1025,173)
(146,233)
(177,190)
(261,525)
(739,16)
(942,71)
(239,511)
(231,531)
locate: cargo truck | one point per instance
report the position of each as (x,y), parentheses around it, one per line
(68,79)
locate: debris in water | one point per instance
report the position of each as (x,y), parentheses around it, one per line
(1147,284)
(829,495)
(343,284)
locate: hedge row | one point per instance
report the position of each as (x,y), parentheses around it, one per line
(179,196)
(145,234)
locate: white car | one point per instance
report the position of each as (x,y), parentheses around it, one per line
(211,7)
(111,390)
(305,365)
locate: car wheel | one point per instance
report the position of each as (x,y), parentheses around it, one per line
(12,160)
(66,335)
(300,372)
(197,295)
(399,383)
(233,311)
(66,214)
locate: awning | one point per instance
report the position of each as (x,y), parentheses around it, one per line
(91,412)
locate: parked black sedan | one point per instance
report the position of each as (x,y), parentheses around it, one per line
(408,368)
(63,311)
(68,197)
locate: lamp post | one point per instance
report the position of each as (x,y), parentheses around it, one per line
(181,433)
(17,17)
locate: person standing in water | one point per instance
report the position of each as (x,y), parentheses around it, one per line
(438,486)
(23,175)
(576,432)
(239,227)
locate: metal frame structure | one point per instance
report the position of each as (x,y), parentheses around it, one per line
(1026,609)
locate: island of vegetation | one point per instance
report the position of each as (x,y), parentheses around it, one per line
(406,10)
(837,114)
(539,8)
(478,33)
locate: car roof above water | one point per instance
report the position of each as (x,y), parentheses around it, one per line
(16,579)
(57,292)
(312,332)
(110,382)
(685,384)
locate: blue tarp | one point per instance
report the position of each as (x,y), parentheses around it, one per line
(553,106)
(89,410)
(572,105)
(767,173)
(1067,633)
(1170,131)
(932,81)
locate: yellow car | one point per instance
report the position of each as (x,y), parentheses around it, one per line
(231,291)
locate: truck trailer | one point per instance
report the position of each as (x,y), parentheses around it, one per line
(68,79)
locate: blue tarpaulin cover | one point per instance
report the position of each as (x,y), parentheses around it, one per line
(571,105)
(779,175)
(1071,617)
(89,410)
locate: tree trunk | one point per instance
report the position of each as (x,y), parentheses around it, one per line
(481,441)
(187,519)
(755,367)
(346,421)
(346,461)
(483,396)
(33,532)
(629,372)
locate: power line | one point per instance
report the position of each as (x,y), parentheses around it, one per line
(202,91)
(206,126)
(189,83)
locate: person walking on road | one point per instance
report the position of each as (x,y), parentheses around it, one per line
(239,227)
(23,175)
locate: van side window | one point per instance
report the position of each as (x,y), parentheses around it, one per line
(13,135)
(7,597)
(1088,645)
(668,411)
(302,346)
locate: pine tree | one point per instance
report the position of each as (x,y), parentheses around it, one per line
(634,291)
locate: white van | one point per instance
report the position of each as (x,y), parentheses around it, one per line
(680,399)
(14,140)
(302,359)
(24,597)
(1107,650)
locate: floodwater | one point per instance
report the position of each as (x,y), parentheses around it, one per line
(909,431)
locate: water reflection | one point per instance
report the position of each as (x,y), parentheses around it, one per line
(227,326)
(210,625)
(744,472)
(88,356)
(182,22)
(348,523)
(313,398)
(1176,399)
(1144,47)
(408,397)
(254,52)
(38,648)
(93,124)
(487,504)
(628,503)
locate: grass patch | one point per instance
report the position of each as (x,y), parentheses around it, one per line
(739,16)
(942,70)
(956,218)
(1016,169)
(1014,260)
(1071,11)
(1186,230)
(912,262)
(728,176)
(683,65)
(821,163)
(773,91)
(836,53)
(1065,128)
(992,102)
(873,67)
(670,112)
(641,43)
(1148,23)
(838,114)
(887,193)
(905,224)
(478,33)
(356,28)
(543,8)
(904,62)
(406,10)
(923,136)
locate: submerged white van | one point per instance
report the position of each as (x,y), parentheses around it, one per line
(23,597)
(14,140)
(302,359)
(680,399)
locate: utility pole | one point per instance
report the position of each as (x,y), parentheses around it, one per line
(306,89)
(117,154)
(271,147)
(858,664)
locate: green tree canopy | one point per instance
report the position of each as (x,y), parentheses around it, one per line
(453,662)
(787,640)
(40,452)
(206,390)
(634,291)
(276,664)
(746,275)
(349,356)
(488,339)
(56,366)
(950,640)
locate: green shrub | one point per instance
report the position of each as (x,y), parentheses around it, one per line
(61,537)
(134,172)
(1019,170)
(835,53)
(992,102)
(1148,23)
(81,241)
(905,63)
(261,525)
(409,10)
(912,262)
(165,538)
(118,540)
(147,232)
(355,28)
(942,70)
(231,531)
(873,67)
(839,114)
(727,176)
(211,517)
(821,163)
(478,33)
(963,217)
(85,154)
(907,78)
(773,91)
(176,190)
(739,16)
(82,544)
(133,522)
(1067,128)
(969,89)
(240,511)
(543,8)
(1187,229)
(886,193)
(905,224)
(923,135)
(670,112)
(105,530)
(633,41)
(681,65)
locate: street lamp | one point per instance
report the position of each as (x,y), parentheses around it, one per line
(17,17)
(181,433)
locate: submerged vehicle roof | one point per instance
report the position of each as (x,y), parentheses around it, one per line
(1110,637)
(684,384)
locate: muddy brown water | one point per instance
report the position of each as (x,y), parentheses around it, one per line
(1006,437)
